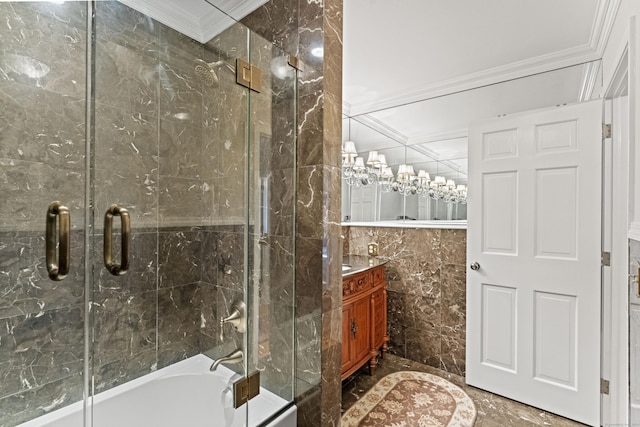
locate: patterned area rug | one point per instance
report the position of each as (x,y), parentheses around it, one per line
(407,398)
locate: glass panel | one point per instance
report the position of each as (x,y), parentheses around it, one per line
(271,205)
(170,147)
(209,196)
(42,160)
(125,170)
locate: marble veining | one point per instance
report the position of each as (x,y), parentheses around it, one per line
(426,275)
(180,156)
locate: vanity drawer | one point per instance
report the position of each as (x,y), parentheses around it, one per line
(357,283)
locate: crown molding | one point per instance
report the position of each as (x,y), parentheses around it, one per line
(381,127)
(199,20)
(346,108)
(589,80)
(540,64)
(435,137)
(603,24)
(591,51)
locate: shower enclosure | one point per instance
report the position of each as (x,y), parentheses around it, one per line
(144,194)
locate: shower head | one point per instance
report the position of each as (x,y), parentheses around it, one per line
(207,71)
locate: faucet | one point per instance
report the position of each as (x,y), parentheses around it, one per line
(233,357)
(236,317)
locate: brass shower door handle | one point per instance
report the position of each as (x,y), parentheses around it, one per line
(114,268)
(58,229)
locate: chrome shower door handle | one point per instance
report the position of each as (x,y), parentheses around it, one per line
(58,264)
(114,268)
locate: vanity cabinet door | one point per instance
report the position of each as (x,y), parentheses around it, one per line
(347,346)
(360,328)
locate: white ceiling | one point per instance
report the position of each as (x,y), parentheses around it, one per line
(417,72)
(199,19)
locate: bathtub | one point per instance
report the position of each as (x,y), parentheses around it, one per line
(183,394)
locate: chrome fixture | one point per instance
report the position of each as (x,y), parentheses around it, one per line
(59,268)
(237,317)
(235,356)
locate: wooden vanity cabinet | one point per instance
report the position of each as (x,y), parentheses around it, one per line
(364,320)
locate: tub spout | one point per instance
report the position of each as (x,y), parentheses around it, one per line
(233,357)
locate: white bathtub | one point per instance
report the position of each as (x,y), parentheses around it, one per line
(183,394)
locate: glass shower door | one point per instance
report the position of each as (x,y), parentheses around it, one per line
(170,148)
(179,188)
(271,223)
(42,161)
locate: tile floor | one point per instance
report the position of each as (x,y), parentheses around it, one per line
(493,410)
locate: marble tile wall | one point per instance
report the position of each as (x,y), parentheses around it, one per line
(298,26)
(195,188)
(42,146)
(172,151)
(426,276)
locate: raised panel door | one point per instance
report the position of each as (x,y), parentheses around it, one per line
(361,332)
(534,227)
(347,345)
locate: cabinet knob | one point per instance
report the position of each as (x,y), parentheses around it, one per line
(354,327)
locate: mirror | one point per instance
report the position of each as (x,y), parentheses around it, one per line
(434,140)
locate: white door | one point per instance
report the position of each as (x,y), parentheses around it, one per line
(534,230)
(363,203)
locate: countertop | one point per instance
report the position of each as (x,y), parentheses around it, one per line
(360,263)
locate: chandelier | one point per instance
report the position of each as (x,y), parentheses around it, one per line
(376,172)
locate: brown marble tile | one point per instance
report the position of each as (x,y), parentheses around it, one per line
(454,304)
(179,259)
(423,313)
(178,326)
(345,236)
(423,347)
(452,355)
(360,237)
(309,217)
(454,247)
(308,271)
(28,404)
(426,277)
(397,339)
(331,366)
(310,120)
(124,325)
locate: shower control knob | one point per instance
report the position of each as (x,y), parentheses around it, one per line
(475,266)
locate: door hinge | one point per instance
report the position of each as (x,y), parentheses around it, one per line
(248,75)
(606,130)
(605,259)
(294,62)
(604,386)
(246,389)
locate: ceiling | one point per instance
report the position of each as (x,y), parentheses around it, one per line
(417,72)
(196,18)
